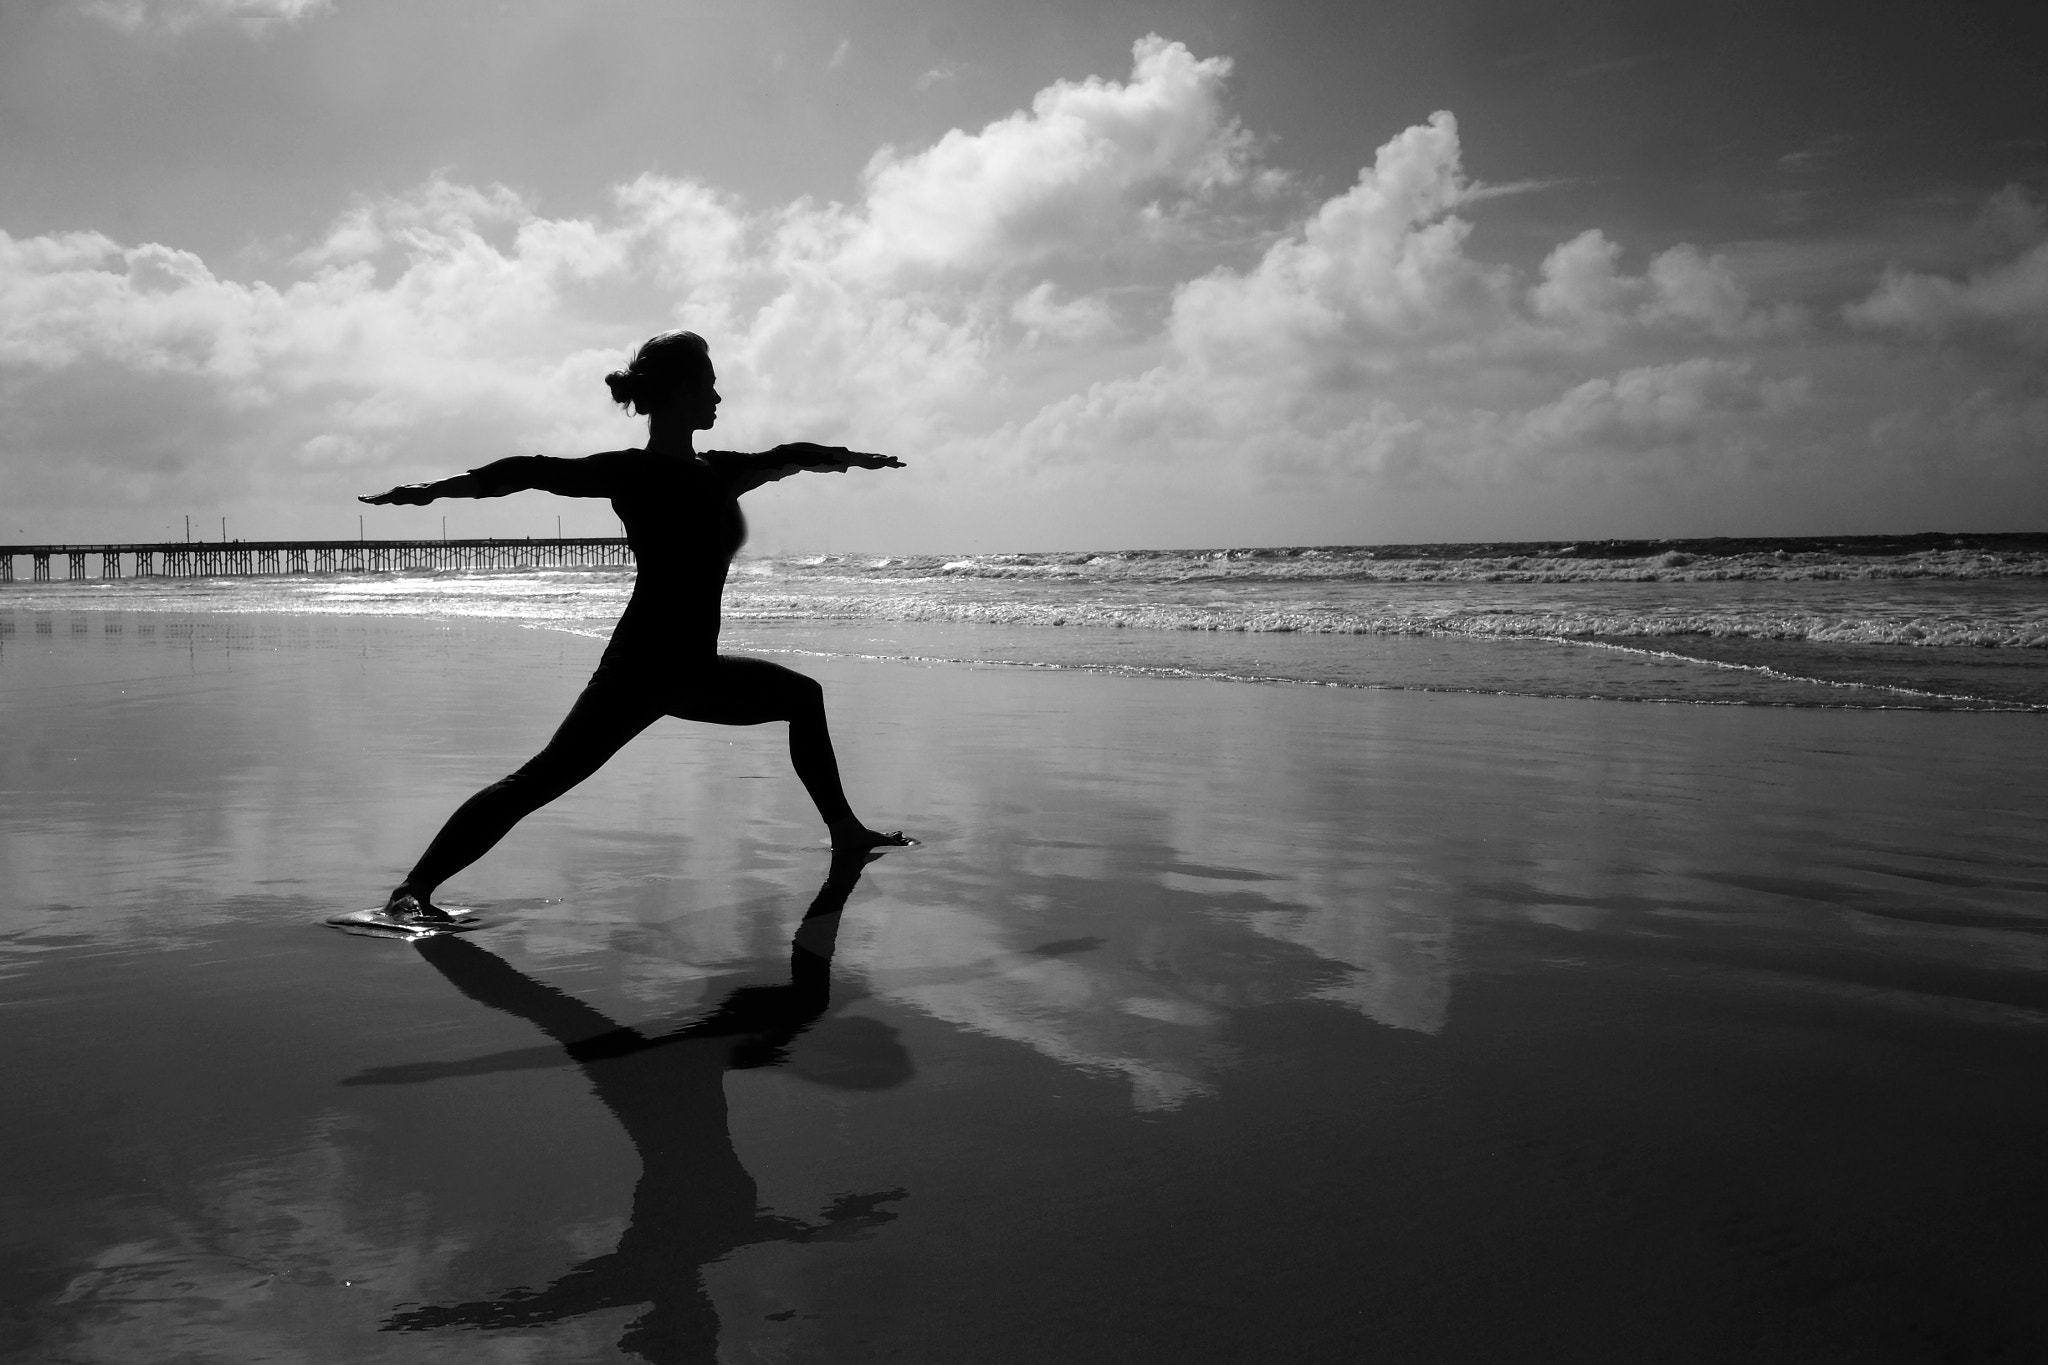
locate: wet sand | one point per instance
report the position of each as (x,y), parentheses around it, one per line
(1210,1022)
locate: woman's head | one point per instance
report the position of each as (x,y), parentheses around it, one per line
(668,371)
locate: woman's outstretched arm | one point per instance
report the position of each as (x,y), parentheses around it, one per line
(590,477)
(801,457)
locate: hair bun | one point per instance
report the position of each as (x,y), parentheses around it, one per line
(623,384)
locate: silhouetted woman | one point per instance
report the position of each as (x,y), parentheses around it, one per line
(681,512)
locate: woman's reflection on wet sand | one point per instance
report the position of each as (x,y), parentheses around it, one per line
(695,1202)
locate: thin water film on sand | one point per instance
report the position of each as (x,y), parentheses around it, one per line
(1229,1022)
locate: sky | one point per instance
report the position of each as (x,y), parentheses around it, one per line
(1105,273)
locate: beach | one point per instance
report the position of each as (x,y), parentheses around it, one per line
(1209,1020)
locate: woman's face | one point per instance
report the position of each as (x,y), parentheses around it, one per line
(694,402)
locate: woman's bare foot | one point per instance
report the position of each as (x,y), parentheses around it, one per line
(855,837)
(405,904)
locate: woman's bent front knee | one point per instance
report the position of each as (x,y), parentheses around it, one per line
(806,693)
(743,691)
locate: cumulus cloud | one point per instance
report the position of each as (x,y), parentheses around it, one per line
(966,309)
(1650,407)
(1071,320)
(457,306)
(1370,344)
(1385,259)
(1584,291)
(1091,165)
(2007,300)
(1583,288)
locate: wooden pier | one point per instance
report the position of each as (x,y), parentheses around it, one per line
(260,558)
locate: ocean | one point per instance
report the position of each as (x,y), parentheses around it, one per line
(1929,623)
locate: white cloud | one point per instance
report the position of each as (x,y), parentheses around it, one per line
(1583,291)
(839,55)
(959,311)
(1369,345)
(2010,299)
(1385,259)
(1074,320)
(1582,288)
(1083,170)
(1690,288)
(1650,407)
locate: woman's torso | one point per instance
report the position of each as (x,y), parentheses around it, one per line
(683,523)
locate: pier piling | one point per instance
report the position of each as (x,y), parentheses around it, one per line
(272,558)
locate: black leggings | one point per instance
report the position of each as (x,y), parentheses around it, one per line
(617,704)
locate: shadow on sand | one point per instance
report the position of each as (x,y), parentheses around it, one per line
(695,1203)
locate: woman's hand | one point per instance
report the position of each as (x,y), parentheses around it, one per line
(405,495)
(832,459)
(860,459)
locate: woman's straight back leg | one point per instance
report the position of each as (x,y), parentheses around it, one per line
(612,709)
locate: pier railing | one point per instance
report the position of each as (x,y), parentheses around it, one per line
(253,558)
